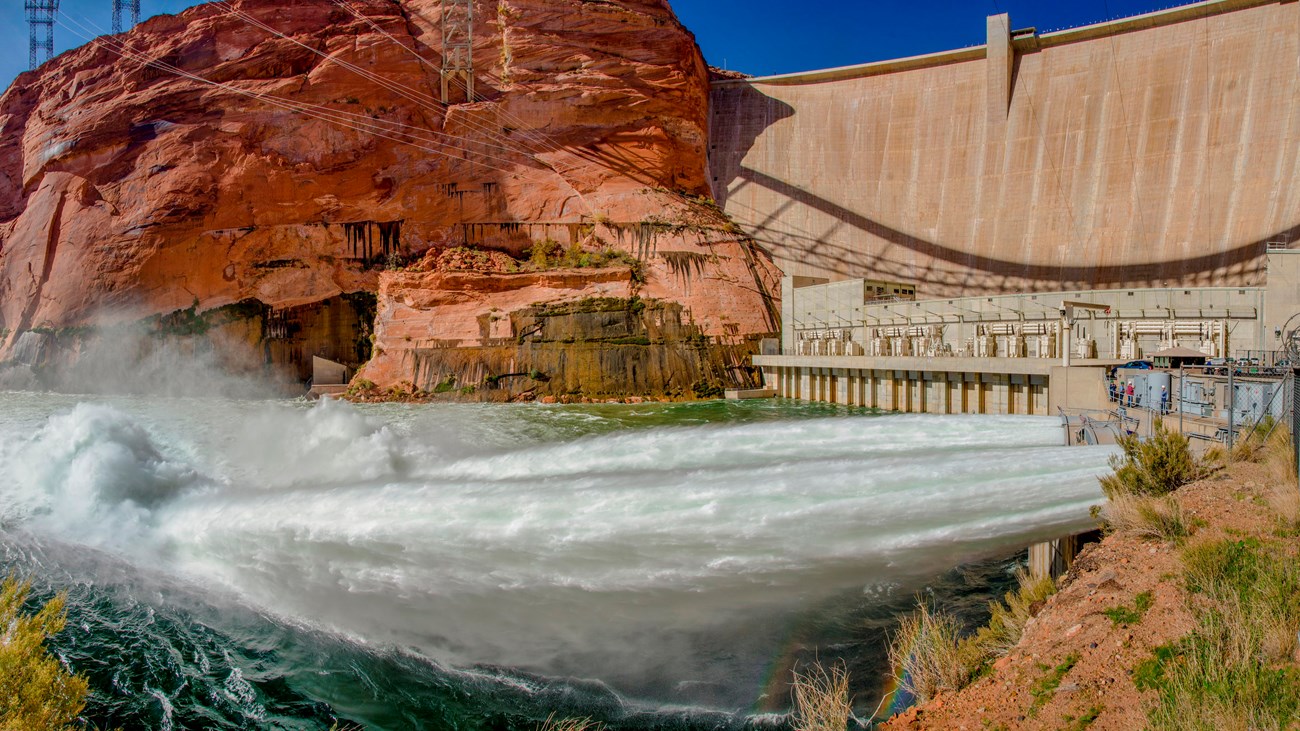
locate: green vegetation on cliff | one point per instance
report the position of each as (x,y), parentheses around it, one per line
(550,254)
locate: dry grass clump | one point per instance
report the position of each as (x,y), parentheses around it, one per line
(570,724)
(36,692)
(821,698)
(1253,589)
(1273,448)
(1008,619)
(925,652)
(1264,443)
(1150,517)
(1279,459)
(1285,502)
(929,654)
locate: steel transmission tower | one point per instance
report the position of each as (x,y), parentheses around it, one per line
(118,7)
(457,47)
(40,26)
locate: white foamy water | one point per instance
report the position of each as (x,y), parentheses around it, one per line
(539,538)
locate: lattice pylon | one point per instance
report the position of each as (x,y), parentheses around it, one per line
(132,6)
(40,27)
(457,48)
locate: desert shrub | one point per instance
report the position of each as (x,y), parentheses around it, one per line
(543,252)
(36,692)
(550,254)
(706,390)
(1151,517)
(360,386)
(926,654)
(821,698)
(1154,466)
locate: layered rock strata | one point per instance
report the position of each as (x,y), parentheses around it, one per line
(271,158)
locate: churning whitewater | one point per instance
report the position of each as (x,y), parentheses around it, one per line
(665,552)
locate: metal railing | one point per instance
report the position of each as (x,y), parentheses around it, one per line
(1096,426)
(1258,420)
(1254,359)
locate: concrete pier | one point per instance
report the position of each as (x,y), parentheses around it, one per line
(1053,558)
(937,385)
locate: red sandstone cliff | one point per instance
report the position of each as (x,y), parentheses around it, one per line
(128,191)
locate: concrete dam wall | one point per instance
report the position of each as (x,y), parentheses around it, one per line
(1160,150)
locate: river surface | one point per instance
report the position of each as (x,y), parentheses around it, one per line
(261,564)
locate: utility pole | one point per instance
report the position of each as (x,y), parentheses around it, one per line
(457,47)
(1182,388)
(1232,402)
(118,6)
(40,27)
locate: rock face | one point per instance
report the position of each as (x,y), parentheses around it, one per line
(210,163)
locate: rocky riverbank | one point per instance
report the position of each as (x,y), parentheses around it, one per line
(1119,646)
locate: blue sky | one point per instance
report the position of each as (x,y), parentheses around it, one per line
(755,36)
(781,36)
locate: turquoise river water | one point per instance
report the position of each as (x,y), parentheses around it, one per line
(262,564)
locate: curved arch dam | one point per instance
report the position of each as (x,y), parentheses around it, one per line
(1160,150)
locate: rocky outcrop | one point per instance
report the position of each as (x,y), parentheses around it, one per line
(483,333)
(209,162)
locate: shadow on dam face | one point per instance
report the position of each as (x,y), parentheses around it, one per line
(761,112)
(912,172)
(810,247)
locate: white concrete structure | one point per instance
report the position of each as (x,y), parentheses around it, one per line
(1010,354)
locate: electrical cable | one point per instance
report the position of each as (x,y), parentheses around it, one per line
(314,111)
